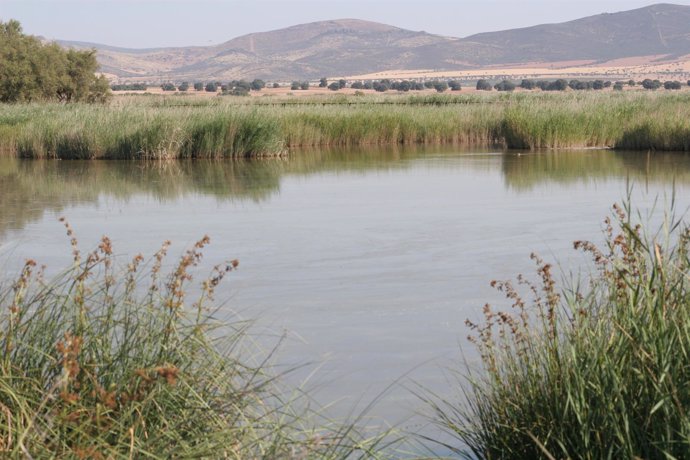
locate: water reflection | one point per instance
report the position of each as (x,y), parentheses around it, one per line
(30,188)
(523,171)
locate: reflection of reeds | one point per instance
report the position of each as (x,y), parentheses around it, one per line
(125,363)
(523,172)
(596,370)
(180,128)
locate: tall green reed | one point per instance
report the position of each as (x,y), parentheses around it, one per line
(132,362)
(184,127)
(596,370)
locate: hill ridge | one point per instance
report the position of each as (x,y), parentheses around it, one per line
(349,46)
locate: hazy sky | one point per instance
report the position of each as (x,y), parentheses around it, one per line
(154,23)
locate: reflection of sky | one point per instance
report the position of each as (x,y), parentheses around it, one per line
(371,270)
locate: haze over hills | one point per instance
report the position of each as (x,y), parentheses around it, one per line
(351,46)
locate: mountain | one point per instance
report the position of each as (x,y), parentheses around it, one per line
(352,46)
(661,29)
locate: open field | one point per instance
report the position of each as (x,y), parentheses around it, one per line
(638,68)
(181,127)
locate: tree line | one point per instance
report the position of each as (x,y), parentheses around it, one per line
(34,71)
(576,85)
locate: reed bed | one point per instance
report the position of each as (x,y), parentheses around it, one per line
(187,127)
(599,369)
(111,361)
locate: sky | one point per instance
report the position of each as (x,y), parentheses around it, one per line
(157,23)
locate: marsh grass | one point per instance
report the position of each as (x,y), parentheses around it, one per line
(123,362)
(596,370)
(169,127)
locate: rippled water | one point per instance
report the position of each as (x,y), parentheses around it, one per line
(370,261)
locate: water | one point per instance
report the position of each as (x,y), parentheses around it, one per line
(368,261)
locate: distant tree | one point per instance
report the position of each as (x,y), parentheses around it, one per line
(368,85)
(440,86)
(357,85)
(598,85)
(484,85)
(505,85)
(381,86)
(211,87)
(334,86)
(558,85)
(342,83)
(618,86)
(239,90)
(168,87)
(607,84)
(257,84)
(631,82)
(418,86)
(304,85)
(129,87)
(651,84)
(294,86)
(198,86)
(672,85)
(428,84)
(184,86)
(454,85)
(323,83)
(528,84)
(688,82)
(276,85)
(404,86)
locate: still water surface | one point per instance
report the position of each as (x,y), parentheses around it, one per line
(369,261)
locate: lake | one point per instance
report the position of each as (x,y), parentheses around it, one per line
(366,261)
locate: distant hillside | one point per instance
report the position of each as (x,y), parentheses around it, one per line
(654,30)
(351,46)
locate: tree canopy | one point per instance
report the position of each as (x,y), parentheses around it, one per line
(31,70)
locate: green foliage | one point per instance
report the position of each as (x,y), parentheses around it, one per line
(257,84)
(618,86)
(598,369)
(295,86)
(276,85)
(184,86)
(342,83)
(334,86)
(198,86)
(33,71)
(528,84)
(163,127)
(304,85)
(440,86)
(129,87)
(323,83)
(168,87)
(455,85)
(672,85)
(651,84)
(123,363)
(484,85)
(505,85)
(211,87)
